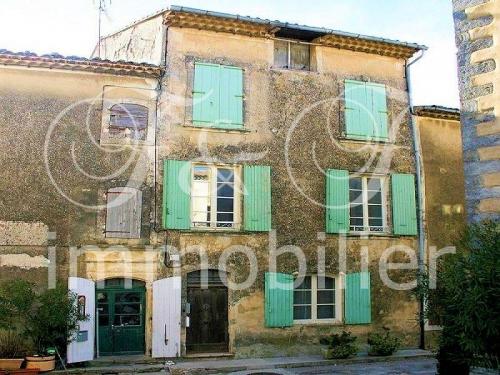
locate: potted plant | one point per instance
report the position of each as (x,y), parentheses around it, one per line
(12,350)
(52,324)
(339,346)
(383,344)
(16,299)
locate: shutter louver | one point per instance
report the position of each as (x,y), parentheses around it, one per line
(404,208)
(206,94)
(337,201)
(257,198)
(231,97)
(177,194)
(278,299)
(357,298)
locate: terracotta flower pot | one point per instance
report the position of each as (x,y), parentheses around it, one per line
(11,364)
(33,371)
(43,364)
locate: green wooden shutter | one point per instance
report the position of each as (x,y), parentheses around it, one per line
(231,97)
(206,94)
(278,299)
(404,208)
(257,198)
(177,194)
(337,201)
(365,110)
(379,111)
(357,298)
(357,108)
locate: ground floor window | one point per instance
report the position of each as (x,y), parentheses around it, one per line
(315,299)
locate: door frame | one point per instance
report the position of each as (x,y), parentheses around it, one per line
(120,289)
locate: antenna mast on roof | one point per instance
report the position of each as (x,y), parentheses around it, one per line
(102,9)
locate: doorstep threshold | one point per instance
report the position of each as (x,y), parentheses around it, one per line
(210,355)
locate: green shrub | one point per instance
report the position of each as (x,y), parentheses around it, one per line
(383,344)
(339,346)
(12,345)
(468,298)
(54,322)
(16,303)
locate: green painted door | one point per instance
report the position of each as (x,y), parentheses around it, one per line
(121,318)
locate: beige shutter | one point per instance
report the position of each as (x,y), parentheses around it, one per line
(123,213)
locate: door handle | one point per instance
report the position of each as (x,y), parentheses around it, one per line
(165,338)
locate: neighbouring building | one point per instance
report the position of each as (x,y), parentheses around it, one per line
(477,34)
(441,147)
(443,188)
(163,175)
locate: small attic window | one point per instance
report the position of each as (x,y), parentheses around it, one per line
(128,116)
(291,55)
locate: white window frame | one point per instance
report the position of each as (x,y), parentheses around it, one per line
(383,189)
(213,197)
(314,302)
(289,54)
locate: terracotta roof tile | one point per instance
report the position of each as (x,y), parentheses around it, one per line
(57,61)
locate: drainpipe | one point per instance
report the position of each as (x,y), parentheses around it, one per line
(420,197)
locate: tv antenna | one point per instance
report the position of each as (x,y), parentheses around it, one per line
(102,10)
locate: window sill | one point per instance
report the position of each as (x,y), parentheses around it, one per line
(365,140)
(216,129)
(317,322)
(292,70)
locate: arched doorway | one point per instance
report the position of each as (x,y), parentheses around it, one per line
(208,315)
(120,314)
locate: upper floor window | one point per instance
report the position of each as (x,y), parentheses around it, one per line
(213,199)
(291,55)
(128,116)
(218,96)
(123,213)
(315,299)
(366,204)
(366,111)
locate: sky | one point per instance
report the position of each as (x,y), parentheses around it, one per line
(70,27)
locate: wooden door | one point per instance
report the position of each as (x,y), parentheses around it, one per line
(208,327)
(121,321)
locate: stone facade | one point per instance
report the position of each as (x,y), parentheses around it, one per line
(476,24)
(59,162)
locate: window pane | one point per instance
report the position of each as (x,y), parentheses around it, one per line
(225,190)
(356,211)
(375,197)
(356,196)
(326,312)
(128,308)
(357,222)
(225,175)
(201,173)
(127,320)
(306,283)
(375,222)
(103,320)
(374,184)
(375,211)
(128,297)
(301,312)
(227,218)
(280,54)
(302,297)
(299,56)
(102,297)
(326,296)
(326,283)
(355,183)
(225,204)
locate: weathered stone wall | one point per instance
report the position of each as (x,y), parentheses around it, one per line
(52,164)
(300,112)
(144,41)
(476,25)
